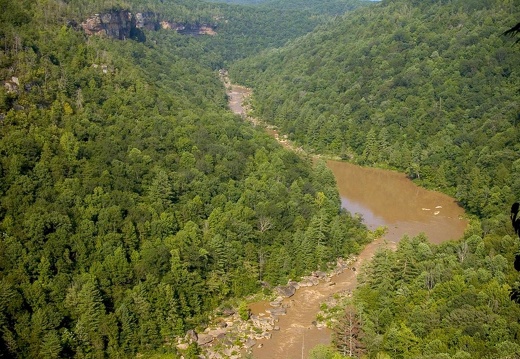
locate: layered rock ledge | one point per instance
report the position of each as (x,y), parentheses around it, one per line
(122,24)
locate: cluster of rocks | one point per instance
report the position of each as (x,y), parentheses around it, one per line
(315,278)
(230,336)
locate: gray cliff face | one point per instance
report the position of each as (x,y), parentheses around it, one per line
(114,24)
(125,25)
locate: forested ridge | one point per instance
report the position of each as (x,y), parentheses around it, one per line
(323,7)
(430,89)
(132,202)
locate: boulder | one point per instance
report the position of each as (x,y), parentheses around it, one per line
(249,343)
(320,274)
(217,333)
(286,291)
(191,336)
(204,339)
(309,281)
(228,312)
(277,311)
(294,284)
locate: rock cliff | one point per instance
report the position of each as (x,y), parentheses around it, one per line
(122,24)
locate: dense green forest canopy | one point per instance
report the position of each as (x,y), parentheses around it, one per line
(132,202)
(446,301)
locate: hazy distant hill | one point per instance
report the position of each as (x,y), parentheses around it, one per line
(328,7)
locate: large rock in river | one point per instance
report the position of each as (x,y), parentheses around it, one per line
(277,311)
(286,290)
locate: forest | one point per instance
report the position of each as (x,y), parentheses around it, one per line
(133,203)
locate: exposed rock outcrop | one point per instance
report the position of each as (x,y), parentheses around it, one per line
(204,339)
(113,24)
(122,24)
(12,85)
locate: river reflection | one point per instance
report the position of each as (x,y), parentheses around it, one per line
(359,208)
(387,198)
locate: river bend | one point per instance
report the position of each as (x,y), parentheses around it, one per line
(382,198)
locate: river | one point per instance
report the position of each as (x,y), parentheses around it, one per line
(382,198)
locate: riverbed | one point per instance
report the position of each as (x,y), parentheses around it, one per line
(382,198)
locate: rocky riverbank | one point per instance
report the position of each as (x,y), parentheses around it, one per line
(230,336)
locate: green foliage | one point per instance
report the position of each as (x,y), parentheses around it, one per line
(322,351)
(243,311)
(433,294)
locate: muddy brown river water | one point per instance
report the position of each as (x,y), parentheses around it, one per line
(382,198)
(388,198)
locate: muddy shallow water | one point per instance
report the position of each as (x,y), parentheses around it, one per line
(388,198)
(382,198)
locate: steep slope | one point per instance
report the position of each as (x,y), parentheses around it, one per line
(427,88)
